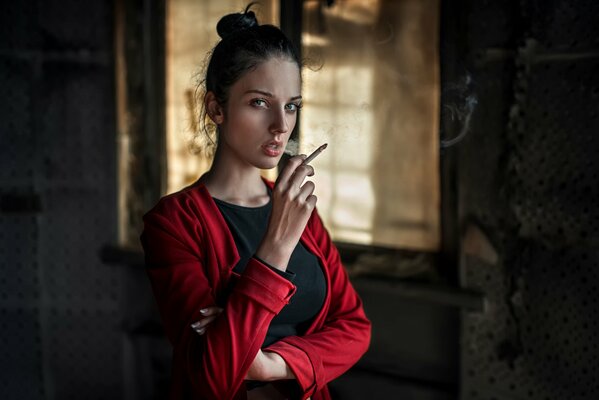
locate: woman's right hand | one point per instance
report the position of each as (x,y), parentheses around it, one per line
(292,204)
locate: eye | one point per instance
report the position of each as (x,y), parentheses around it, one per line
(293,107)
(258,103)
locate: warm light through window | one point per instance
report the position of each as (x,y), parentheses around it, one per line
(371,90)
(374,98)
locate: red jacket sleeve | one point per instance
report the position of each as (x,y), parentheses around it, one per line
(321,356)
(183,283)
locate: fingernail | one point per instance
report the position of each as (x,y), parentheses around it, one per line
(203,310)
(195,324)
(201,331)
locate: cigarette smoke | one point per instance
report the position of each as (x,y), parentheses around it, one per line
(461,103)
(292,147)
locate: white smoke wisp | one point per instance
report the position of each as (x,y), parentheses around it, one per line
(292,147)
(461,109)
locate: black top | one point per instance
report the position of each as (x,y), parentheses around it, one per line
(248,226)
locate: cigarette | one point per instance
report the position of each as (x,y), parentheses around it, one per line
(315,153)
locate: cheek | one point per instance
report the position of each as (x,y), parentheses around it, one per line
(249,117)
(291,121)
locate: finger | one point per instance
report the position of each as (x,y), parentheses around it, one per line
(306,190)
(300,175)
(200,331)
(205,321)
(213,310)
(311,201)
(310,169)
(289,169)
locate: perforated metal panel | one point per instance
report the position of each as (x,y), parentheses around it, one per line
(20,334)
(553,173)
(59,304)
(537,198)
(538,338)
(569,26)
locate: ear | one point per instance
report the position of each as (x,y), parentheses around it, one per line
(213,108)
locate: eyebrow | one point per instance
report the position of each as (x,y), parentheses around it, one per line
(268,94)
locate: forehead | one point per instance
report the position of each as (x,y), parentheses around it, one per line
(278,76)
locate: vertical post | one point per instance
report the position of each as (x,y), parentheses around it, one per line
(452,43)
(140,76)
(291,12)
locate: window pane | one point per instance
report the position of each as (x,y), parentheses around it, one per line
(374,97)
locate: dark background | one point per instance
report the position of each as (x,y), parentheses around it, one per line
(510,312)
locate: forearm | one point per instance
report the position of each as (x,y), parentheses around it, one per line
(273,254)
(269,366)
(236,335)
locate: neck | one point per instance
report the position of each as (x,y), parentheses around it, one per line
(236,183)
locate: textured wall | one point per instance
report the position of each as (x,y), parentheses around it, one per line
(59,305)
(528,197)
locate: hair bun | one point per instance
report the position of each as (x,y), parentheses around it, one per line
(232,23)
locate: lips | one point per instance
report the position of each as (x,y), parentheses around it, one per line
(273,148)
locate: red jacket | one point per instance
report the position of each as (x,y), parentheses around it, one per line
(190,254)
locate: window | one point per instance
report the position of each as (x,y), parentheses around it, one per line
(375,100)
(374,97)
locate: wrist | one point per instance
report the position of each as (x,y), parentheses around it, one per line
(275,367)
(257,371)
(273,255)
(268,366)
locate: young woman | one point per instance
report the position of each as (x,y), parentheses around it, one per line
(250,287)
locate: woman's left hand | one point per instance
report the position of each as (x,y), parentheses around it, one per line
(266,366)
(210,314)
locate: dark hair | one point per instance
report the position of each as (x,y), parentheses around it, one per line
(244,44)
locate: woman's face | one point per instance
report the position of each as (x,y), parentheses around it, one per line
(261,114)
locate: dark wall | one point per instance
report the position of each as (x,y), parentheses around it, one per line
(527,190)
(59,304)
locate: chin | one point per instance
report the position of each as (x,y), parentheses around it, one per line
(267,166)
(270,164)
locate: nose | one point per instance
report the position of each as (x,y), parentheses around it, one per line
(279,123)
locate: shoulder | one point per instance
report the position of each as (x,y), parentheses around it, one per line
(185,200)
(181,208)
(178,221)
